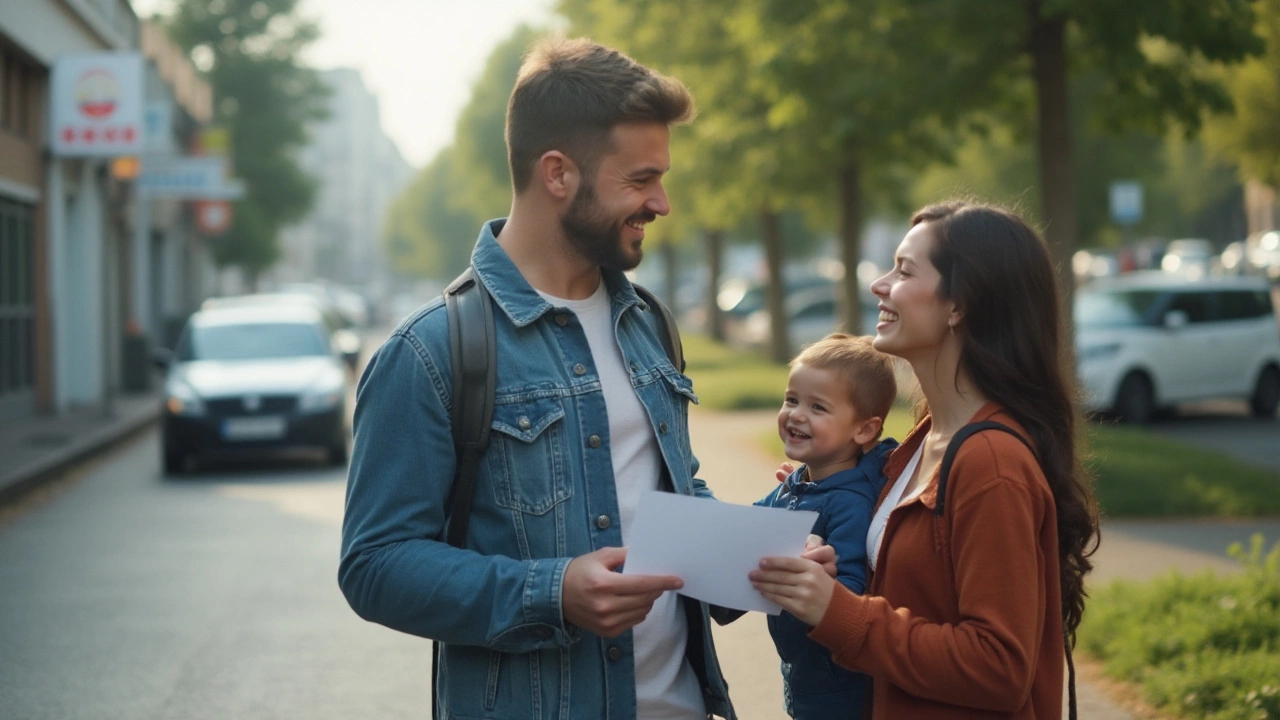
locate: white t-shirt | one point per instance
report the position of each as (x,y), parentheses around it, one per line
(879,521)
(666,686)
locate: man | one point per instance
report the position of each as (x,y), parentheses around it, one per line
(534,619)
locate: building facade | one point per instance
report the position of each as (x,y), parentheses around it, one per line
(360,171)
(71,289)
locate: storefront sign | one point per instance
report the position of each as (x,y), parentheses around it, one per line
(197,178)
(97,107)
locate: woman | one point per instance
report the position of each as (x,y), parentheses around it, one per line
(976,589)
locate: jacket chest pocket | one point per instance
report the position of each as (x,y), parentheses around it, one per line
(526,456)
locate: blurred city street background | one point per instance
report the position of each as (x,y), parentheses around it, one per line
(213,211)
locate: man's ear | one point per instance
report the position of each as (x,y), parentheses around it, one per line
(559,174)
(868,430)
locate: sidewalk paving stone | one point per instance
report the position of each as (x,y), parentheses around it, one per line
(37,448)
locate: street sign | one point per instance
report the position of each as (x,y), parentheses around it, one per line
(96,105)
(196,178)
(213,217)
(1126,202)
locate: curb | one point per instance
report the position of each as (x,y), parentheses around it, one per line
(17,484)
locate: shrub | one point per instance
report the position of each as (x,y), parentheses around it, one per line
(1199,646)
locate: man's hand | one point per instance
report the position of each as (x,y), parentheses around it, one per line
(605,602)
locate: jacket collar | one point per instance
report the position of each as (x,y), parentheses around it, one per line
(868,466)
(898,461)
(511,292)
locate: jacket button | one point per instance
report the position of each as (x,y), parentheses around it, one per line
(635,368)
(615,653)
(579,369)
(525,424)
(662,427)
(562,320)
(643,305)
(594,441)
(603,522)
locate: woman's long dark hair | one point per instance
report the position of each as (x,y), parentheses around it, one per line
(997,270)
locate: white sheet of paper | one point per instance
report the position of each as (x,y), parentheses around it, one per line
(712,545)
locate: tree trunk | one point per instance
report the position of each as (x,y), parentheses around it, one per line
(1057,178)
(850,188)
(714,244)
(775,298)
(670,271)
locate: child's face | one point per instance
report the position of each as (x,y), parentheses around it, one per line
(818,423)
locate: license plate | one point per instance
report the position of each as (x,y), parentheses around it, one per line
(271,427)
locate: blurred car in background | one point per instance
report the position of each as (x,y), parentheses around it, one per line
(253,377)
(1262,253)
(1190,257)
(811,315)
(1150,340)
(343,336)
(348,303)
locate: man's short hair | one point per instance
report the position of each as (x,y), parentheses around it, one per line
(867,373)
(570,94)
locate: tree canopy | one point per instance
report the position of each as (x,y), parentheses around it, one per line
(249,51)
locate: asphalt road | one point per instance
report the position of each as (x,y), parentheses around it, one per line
(123,595)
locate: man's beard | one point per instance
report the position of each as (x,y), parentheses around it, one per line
(595,236)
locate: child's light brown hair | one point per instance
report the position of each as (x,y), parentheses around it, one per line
(866,372)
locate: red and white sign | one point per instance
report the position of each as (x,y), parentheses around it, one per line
(97,104)
(213,217)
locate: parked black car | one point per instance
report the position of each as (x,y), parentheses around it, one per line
(253,378)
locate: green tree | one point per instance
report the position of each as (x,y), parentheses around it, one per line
(484,185)
(1252,134)
(1154,61)
(433,224)
(429,233)
(249,50)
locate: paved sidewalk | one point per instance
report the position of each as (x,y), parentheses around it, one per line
(728,445)
(36,449)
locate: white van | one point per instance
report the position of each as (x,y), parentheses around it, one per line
(1151,340)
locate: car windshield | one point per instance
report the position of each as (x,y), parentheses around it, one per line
(1114,308)
(252,341)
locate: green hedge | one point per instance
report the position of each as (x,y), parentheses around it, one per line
(1199,646)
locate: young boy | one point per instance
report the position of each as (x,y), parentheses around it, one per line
(838,394)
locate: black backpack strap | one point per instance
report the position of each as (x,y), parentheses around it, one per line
(669,333)
(957,440)
(948,457)
(472,346)
(474,351)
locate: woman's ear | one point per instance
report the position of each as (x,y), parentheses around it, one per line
(559,174)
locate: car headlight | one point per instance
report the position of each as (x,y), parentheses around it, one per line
(1098,352)
(180,399)
(324,400)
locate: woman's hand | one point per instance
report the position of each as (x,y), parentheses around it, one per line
(802,587)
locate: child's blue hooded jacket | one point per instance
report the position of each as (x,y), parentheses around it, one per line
(815,687)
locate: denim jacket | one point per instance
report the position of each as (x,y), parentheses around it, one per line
(544,495)
(814,687)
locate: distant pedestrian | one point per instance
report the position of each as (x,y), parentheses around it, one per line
(977,586)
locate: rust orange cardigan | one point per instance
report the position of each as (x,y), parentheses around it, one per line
(963,618)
